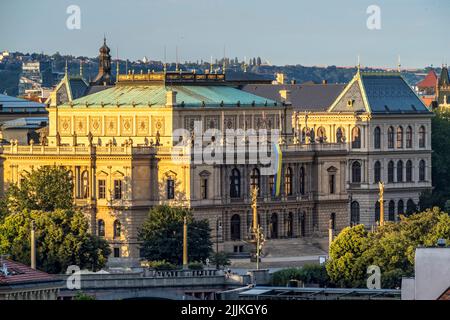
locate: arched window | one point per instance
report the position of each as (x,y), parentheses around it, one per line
(422,171)
(410,207)
(377,172)
(235,183)
(409,137)
(290,225)
(235,227)
(255,180)
(333,221)
(399,137)
(399,171)
(356,138)
(377,138)
(408,171)
(117,229)
(321,135)
(273,226)
(302,180)
(340,135)
(288,181)
(400,207)
(101,228)
(391,137)
(391,210)
(271,180)
(377,211)
(422,137)
(356,172)
(354,214)
(391,171)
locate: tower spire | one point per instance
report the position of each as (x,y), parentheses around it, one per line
(81,68)
(359,64)
(66,69)
(399,65)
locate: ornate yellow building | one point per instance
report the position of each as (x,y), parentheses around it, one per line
(127,153)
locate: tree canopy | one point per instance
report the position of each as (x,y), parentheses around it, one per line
(162,235)
(44,196)
(391,247)
(46,189)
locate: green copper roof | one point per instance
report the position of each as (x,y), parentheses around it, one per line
(192,96)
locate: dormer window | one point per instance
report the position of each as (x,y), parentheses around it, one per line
(350,103)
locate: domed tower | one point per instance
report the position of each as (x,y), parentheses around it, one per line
(104,66)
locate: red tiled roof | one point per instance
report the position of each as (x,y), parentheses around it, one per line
(427,100)
(429,81)
(20,273)
(445,295)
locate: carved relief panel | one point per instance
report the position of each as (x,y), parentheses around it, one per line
(126,128)
(95,125)
(80,126)
(157,125)
(65,126)
(111,126)
(142,128)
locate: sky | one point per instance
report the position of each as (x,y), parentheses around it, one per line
(319,32)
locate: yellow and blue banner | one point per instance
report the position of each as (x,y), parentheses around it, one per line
(278,157)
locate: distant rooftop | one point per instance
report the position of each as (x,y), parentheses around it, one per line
(17,105)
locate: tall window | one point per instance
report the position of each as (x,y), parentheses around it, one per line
(377,138)
(101,189)
(422,137)
(117,189)
(354,210)
(302,180)
(401,207)
(271,184)
(235,227)
(409,137)
(333,221)
(422,168)
(399,137)
(391,171)
(235,183)
(400,171)
(117,229)
(170,188)
(356,138)
(408,171)
(356,172)
(101,228)
(255,180)
(391,210)
(377,172)
(331,183)
(288,181)
(204,187)
(391,137)
(377,211)
(410,207)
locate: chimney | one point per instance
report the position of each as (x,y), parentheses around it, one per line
(285,96)
(280,78)
(171,98)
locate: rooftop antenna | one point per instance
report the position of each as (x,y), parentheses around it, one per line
(211,65)
(117,65)
(66,69)
(359,63)
(399,65)
(81,68)
(176,58)
(223,64)
(165,60)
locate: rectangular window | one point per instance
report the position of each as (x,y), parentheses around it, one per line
(116,252)
(170,189)
(101,189)
(331,179)
(117,189)
(204,188)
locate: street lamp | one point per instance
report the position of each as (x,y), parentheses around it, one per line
(218,228)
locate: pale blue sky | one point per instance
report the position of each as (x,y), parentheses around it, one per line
(315,32)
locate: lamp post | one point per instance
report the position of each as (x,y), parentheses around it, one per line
(381,186)
(33,247)
(218,227)
(185,253)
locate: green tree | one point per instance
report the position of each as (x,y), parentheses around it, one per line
(162,235)
(46,189)
(220,259)
(440,127)
(62,239)
(391,247)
